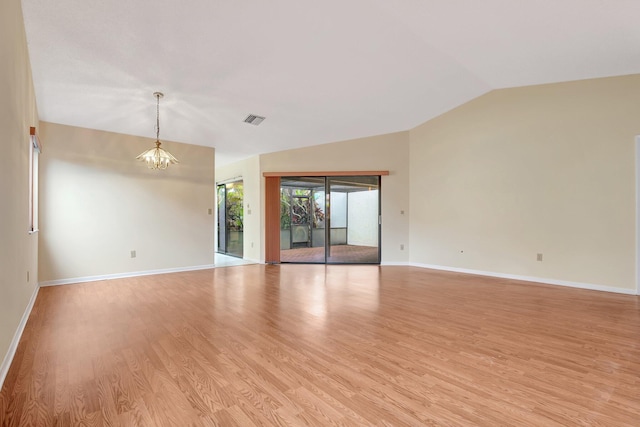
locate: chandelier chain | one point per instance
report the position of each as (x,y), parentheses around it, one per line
(158,117)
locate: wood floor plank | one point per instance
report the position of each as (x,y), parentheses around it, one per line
(316,345)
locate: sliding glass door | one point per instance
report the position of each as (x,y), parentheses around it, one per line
(330,219)
(302,219)
(230,218)
(354,231)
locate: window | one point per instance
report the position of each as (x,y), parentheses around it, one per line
(34,154)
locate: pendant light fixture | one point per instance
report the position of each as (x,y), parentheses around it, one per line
(157,158)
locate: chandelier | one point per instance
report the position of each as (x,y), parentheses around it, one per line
(157,158)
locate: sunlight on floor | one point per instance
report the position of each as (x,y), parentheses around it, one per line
(221,260)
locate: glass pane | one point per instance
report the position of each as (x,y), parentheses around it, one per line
(302,219)
(230,218)
(354,210)
(222,230)
(234,218)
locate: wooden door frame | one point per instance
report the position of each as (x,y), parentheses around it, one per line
(272,219)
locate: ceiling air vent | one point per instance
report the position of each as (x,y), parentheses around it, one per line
(254,120)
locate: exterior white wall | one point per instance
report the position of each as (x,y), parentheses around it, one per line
(338,209)
(363,218)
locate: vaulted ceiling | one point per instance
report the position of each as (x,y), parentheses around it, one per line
(320,71)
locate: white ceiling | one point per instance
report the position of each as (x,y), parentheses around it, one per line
(320,71)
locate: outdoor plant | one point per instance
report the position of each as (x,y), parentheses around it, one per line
(294,210)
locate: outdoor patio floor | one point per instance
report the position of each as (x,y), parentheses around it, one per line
(350,254)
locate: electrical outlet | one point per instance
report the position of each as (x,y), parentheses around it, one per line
(402,247)
(133,254)
(210,211)
(251,244)
(539,257)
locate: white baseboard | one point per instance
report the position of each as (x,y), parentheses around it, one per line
(588,286)
(394,263)
(13,346)
(123,275)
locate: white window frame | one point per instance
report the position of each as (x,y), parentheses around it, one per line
(34,159)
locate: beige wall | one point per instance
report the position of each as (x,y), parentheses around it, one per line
(384,152)
(18,249)
(544,169)
(249,172)
(98,204)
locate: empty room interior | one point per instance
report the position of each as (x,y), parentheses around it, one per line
(360,213)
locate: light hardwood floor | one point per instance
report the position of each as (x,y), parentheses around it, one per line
(325,345)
